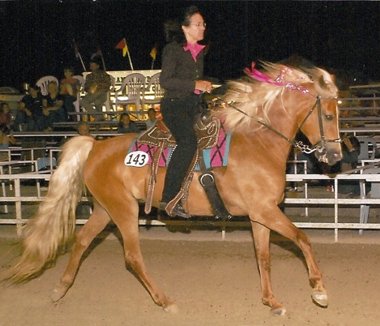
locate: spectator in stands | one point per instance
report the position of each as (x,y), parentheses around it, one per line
(83,128)
(6,137)
(52,107)
(126,125)
(32,102)
(69,88)
(350,160)
(5,115)
(97,85)
(351,152)
(151,118)
(24,120)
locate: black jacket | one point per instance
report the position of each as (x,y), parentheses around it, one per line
(179,71)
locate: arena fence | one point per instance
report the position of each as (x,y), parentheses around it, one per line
(359,116)
(16,200)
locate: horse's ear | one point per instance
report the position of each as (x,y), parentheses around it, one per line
(322,82)
(327,83)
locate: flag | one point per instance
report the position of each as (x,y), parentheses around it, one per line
(123,46)
(153,53)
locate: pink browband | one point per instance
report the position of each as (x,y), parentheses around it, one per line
(279,81)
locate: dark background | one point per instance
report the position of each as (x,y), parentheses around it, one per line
(37,36)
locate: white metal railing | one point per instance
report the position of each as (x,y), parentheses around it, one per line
(360,113)
(336,201)
(17,199)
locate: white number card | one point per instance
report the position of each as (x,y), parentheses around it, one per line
(136,159)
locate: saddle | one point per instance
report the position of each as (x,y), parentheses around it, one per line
(207,131)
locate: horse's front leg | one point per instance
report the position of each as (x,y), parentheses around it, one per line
(277,221)
(261,237)
(319,293)
(95,224)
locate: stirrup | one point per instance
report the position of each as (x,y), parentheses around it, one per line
(178,210)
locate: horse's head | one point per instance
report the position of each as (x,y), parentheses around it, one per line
(319,120)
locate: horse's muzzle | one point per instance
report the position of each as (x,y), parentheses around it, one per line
(330,154)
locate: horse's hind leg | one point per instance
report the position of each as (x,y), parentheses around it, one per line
(95,224)
(261,237)
(125,216)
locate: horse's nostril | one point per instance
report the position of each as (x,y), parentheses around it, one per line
(335,157)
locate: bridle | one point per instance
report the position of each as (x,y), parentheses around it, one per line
(320,146)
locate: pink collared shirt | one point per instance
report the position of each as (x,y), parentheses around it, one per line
(194,49)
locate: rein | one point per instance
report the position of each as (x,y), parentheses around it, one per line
(298,144)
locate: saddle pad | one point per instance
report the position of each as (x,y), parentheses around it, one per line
(216,156)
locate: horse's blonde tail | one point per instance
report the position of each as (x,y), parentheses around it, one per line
(54,223)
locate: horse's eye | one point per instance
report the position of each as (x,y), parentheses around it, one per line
(329,117)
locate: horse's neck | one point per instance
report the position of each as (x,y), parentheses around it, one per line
(275,146)
(261,148)
(277,141)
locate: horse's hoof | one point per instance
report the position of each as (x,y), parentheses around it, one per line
(172,308)
(320,298)
(58,294)
(279,311)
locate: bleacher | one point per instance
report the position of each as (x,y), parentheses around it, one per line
(106,125)
(361,121)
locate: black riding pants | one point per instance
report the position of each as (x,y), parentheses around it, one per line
(179,116)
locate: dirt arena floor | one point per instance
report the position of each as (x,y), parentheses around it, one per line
(214,282)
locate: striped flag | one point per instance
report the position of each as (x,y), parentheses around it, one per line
(122,45)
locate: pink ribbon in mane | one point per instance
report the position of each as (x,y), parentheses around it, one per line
(279,81)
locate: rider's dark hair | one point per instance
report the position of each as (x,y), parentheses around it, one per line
(173,28)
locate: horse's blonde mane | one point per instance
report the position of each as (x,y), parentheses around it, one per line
(255,98)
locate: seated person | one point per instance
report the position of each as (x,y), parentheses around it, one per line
(52,107)
(97,85)
(151,118)
(24,120)
(126,125)
(69,88)
(5,115)
(350,160)
(31,102)
(351,152)
(83,128)
(6,137)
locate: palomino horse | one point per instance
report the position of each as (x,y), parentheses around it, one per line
(263,112)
